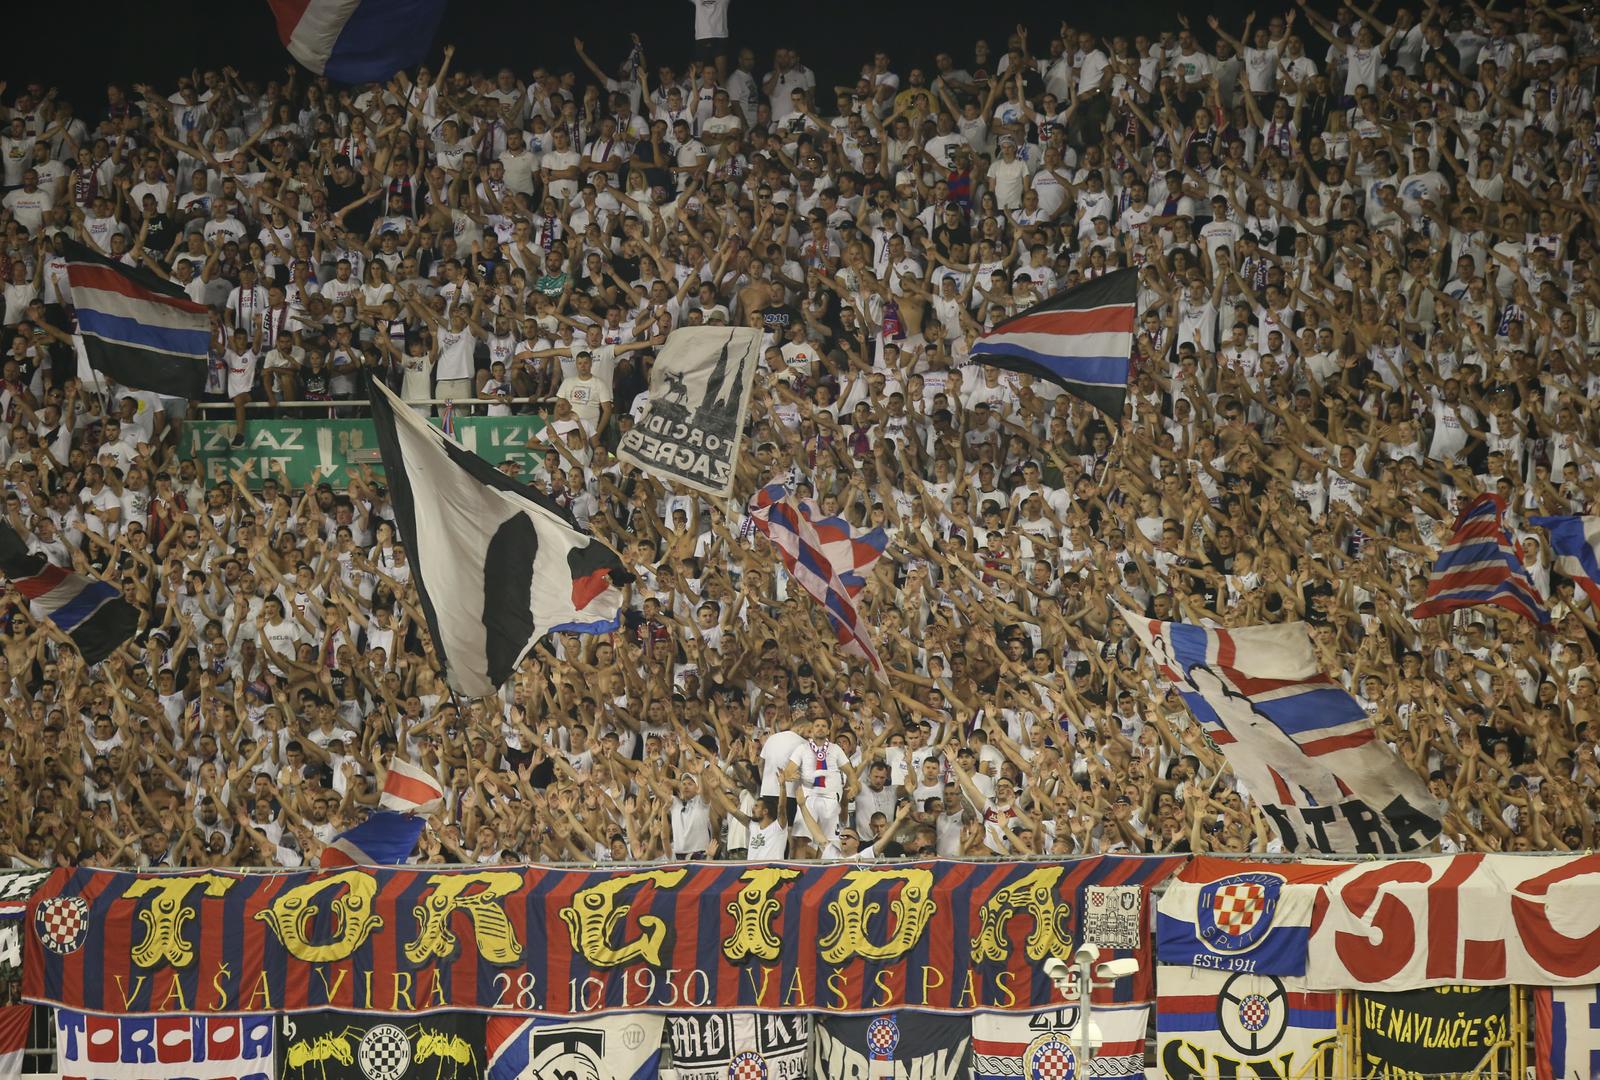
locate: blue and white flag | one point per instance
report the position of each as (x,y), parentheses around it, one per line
(617,1046)
(91,611)
(386,838)
(1301,746)
(356,41)
(1006,1046)
(1080,339)
(1575,542)
(1212,1025)
(140,330)
(1232,916)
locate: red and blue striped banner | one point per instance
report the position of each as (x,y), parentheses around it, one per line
(940,936)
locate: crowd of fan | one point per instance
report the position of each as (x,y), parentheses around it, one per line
(1368,291)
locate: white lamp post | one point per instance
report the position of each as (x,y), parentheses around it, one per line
(1078,979)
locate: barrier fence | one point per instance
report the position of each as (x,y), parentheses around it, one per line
(831,971)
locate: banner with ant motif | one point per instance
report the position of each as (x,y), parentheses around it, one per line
(535,941)
(340,1045)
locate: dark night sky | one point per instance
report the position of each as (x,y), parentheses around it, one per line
(156,40)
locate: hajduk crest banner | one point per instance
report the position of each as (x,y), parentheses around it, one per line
(739,1045)
(897,1046)
(1235,916)
(350,1046)
(692,428)
(1042,1045)
(1217,1025)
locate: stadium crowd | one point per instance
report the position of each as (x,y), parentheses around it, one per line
(1369,290)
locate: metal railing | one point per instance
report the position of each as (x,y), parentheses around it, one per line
(361,403)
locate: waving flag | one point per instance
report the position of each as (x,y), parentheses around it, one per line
(497,564)
(1576,544)
(1482,564)
(354,41)
(140,330)
(408,789)
(809,559)
(1079,339)
(1299,744)
(1233,916)
(851,554)
(92,612)
(386,838)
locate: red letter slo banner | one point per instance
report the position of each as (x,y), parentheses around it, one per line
(946,937)
(1478,919)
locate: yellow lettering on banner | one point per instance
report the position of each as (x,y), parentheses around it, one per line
(761,991)
(885,991)
(129,995)
(796,995)
(753,909)
(1002,983)
(968,998)
(912,909)
(174,995)
(330,993)
(402,992)
(221,1003)
(436,992)
(928,973)
(166,915)
(838,983)
(261,993)
(492,932)
(352,910)
(594,914)
(1035,894)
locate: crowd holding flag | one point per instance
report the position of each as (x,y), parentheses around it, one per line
(1575,543)
(809,557)
(1080,339)
(354,41)
(497,564)
(1302,746)
(138,329)
(1482,564)
(390,833)
(90,611)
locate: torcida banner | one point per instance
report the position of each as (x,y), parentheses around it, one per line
(935,936)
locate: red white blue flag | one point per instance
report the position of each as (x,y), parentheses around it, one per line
(1298,743)
(355,41)
(92,612)
(819,556)
(1482,564)
(142,331)
(408,789)
(1080,340)
(1566,1031)
(1575,542)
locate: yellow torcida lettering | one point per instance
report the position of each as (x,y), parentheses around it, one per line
(753,909)
(167,914)
(1002,983)
(885,991)
(492,931)
(929,975)
(330,993)
(291,912)
(1034,894)
(594,914)
(912,909)
(436,992)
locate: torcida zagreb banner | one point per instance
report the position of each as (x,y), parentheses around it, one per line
(935,936)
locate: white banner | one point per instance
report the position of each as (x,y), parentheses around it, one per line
(1477,919)
(1216,1025)
(718,1045)
(90,1047)
(692,427)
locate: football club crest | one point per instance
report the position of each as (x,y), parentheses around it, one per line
(1253,1016)
(384,1053)
(1050,1057)
(62,923)
(883,1035)
(1235,913)
(747,1066)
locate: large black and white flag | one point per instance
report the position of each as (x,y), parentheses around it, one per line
(699,393)
(497,564)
